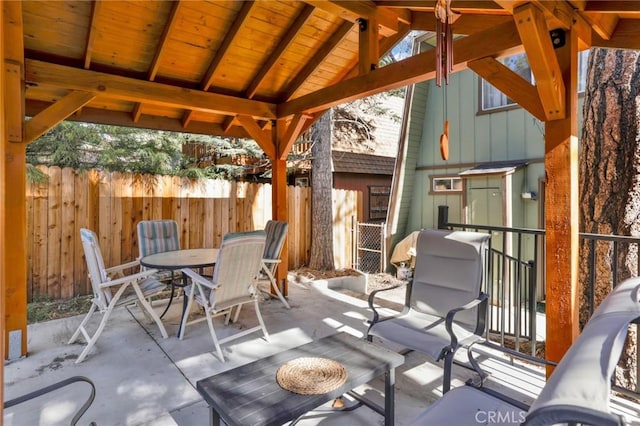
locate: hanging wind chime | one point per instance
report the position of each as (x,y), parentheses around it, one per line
(444,61)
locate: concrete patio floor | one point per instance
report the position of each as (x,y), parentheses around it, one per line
(143,379)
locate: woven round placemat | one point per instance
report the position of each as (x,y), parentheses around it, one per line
(311,376)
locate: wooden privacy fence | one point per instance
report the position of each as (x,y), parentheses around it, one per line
(112,203)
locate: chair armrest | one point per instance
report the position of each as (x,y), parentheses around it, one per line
(123,266)
(483,298)
(372,296)
(128,278)
(198,279)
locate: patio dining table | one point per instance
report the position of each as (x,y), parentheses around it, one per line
(198,258)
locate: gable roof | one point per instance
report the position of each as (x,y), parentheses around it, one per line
(351,162)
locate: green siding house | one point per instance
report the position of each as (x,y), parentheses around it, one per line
(495,169)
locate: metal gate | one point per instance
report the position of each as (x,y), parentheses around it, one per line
(369,247)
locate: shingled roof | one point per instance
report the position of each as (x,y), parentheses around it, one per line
(351,162)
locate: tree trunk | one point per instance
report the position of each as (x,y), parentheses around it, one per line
(610,178)
(321,201)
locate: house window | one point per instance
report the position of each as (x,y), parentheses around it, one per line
(448,184)
(378,201)
(492,99)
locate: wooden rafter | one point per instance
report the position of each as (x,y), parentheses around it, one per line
(162,43)
(129,89)
(498,41)
(262,137)
(54,114)
(612,6)
(160,50)
(354,10)
(231,35)
(509,83)
(96,6)
(542,59)
(311,66)
(300,21)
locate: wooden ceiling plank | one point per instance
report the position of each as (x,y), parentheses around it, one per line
(542,59)
(368,46)
(130,89)
(509,83)
(263,138)
(91,37)
(54,114)
(160,49)
(300,21)
(293,132)
(498,41)
(231,35)
(626,36)
(336,38)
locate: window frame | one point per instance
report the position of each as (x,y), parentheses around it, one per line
(582,58)
(453,191)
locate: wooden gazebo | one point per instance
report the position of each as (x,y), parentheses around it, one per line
(266,70)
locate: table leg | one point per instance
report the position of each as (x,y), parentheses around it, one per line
(214,417)
(389,397)
(184,302)
(173,289)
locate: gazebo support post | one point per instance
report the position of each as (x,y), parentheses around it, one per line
(561,212)
(14,221)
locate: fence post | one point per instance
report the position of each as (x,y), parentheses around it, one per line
(354,242)
(443,217)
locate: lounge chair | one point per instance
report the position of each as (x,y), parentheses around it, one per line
(578,391)
(445,308)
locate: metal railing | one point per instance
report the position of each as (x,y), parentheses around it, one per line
(512,282)
(515,278)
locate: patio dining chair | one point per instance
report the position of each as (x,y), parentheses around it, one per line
(233,285)
(111,288)
(158,236)
(276,231)
(579,389)
(445,306)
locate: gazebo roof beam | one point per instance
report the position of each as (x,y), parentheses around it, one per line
(129,89)
(498,41)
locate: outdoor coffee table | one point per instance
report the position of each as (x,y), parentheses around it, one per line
(250,394)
